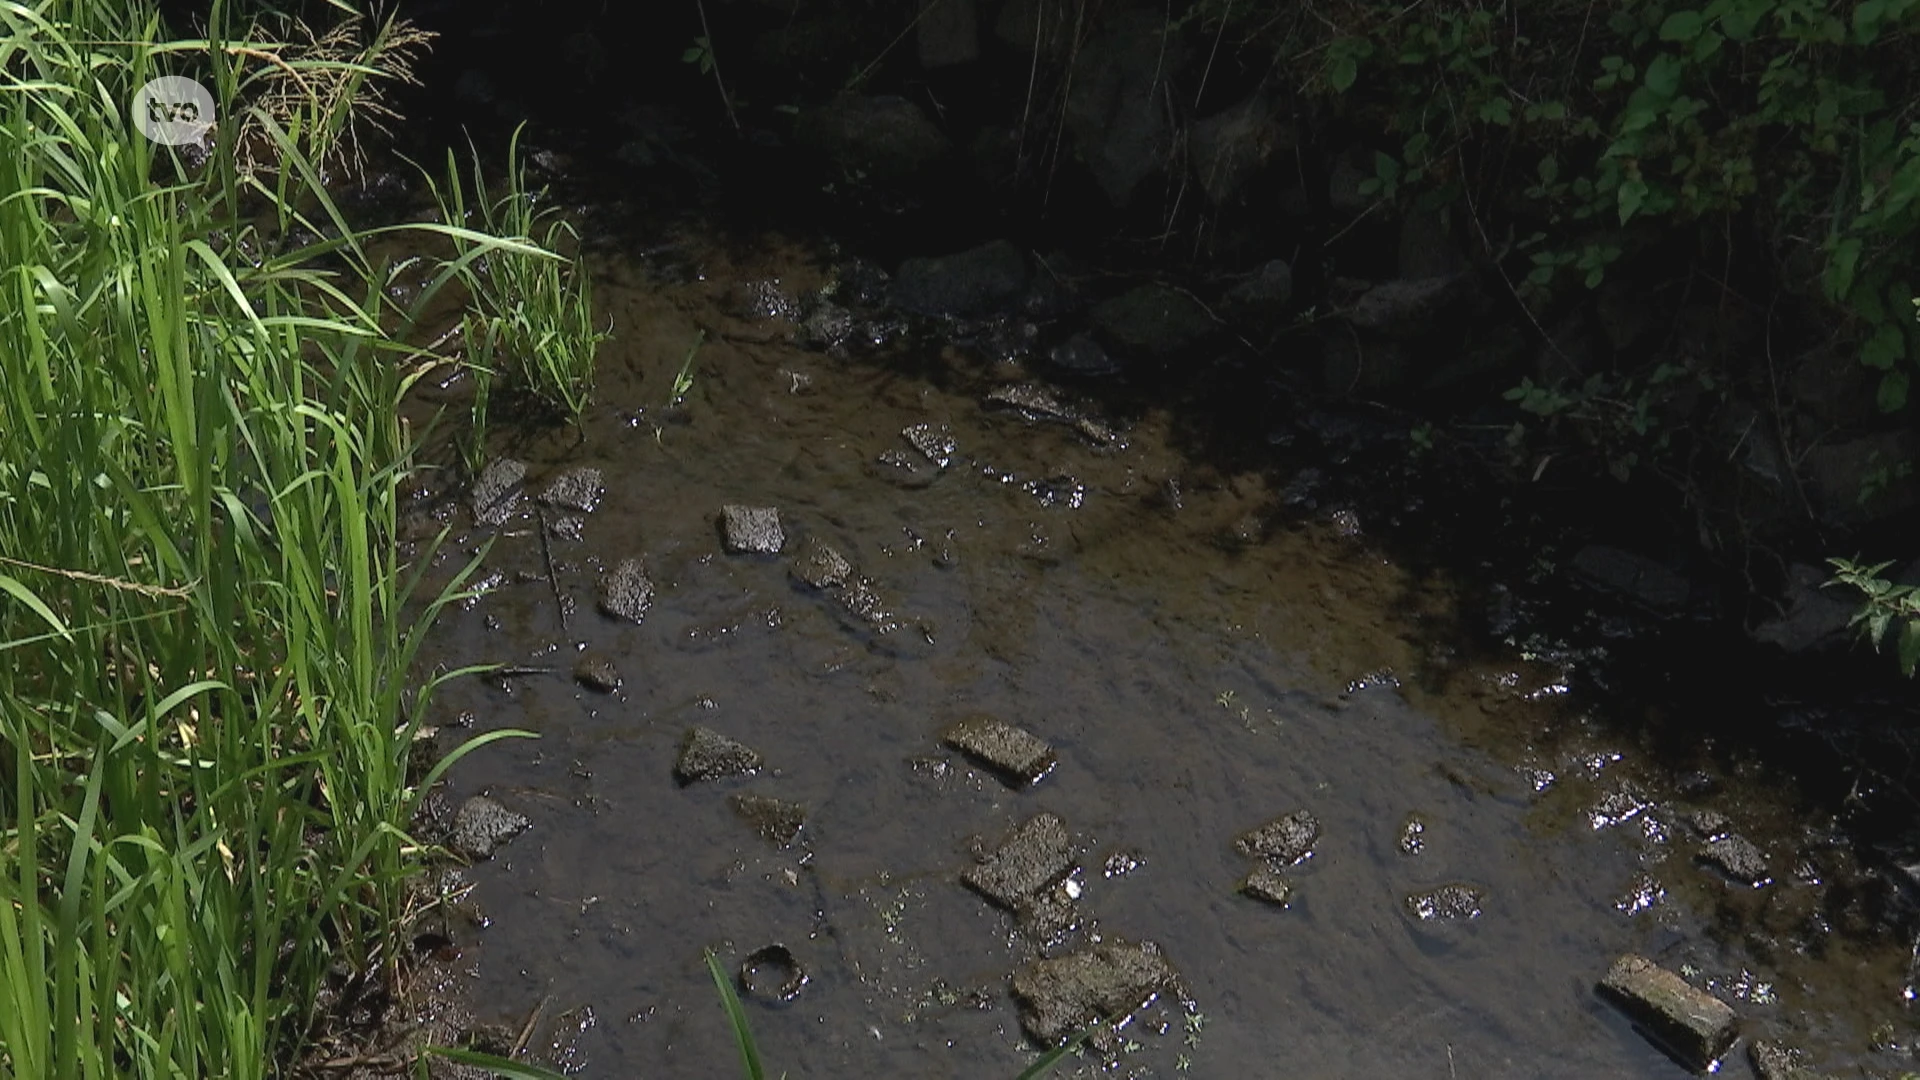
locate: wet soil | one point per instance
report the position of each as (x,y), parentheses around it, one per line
(1200,655)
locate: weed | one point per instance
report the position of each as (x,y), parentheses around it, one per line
(205,713)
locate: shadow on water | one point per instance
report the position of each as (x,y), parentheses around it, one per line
(1202,653)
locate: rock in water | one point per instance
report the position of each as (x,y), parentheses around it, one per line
(627,592)
(1033,856)
(1284,840)
(1019,757)
(1693,1025)
(776,820)
(496,494)
(1446,903)
(596,672)
(708,755)
(751,529)
(578,489)
(820,566)
(1061,995)
(1265,883)
(482,826)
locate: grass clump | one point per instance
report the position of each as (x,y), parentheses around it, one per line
(207,631)
(529,319)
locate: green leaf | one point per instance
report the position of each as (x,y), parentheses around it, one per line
(1884,349)
(1663,75)
(1841,265)
(34,604)
(1342,72)
(1892,396)
(1909,646)
(1549,169)
(1497,111)
(1632,194)
(736,1019)
(512,1070)
(1681,26)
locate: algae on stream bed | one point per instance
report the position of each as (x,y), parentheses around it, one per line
(1198,655)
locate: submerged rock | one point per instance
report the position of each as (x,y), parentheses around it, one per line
(627,591)
(708,755)
(934,441)
(1049,917)
(496,494)
(776,820)
(1017,756)
(887,137)
(1774,1061)
(578,489)
(751,529)
(482,826)
(1266,883)
(979,281)
(1693,1025)
(596,672)
(1037,402)
(1452,902)
(1284,840)
(820,565)
(1738,858)
(1061,995)
(1035,854)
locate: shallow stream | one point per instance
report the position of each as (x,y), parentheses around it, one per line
(1201,655)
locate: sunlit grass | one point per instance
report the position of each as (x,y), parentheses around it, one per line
(529,323)
(206,634)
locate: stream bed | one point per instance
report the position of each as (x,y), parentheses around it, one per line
(1202,651)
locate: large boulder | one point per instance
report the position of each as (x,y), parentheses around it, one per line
(887,138)
(1152,321)
(1115,114)
(1232,146)
(979,281)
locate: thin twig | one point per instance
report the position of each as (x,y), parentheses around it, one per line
(526,1029)
(553,579)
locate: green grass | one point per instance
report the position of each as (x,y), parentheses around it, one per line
(207,636)
(529,318)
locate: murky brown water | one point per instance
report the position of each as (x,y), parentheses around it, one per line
(1194,685)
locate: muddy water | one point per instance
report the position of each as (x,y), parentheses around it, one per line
(1201,660)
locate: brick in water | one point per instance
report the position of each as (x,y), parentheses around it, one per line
(1691,1024)
(751,529)
(1035,854)
(1018,756)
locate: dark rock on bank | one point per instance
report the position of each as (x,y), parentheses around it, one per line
(1651,584)
(1691,1024)
(979,281)
(482,826)
(887,138)
(1152,321)
(1061,995)
(708,755)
